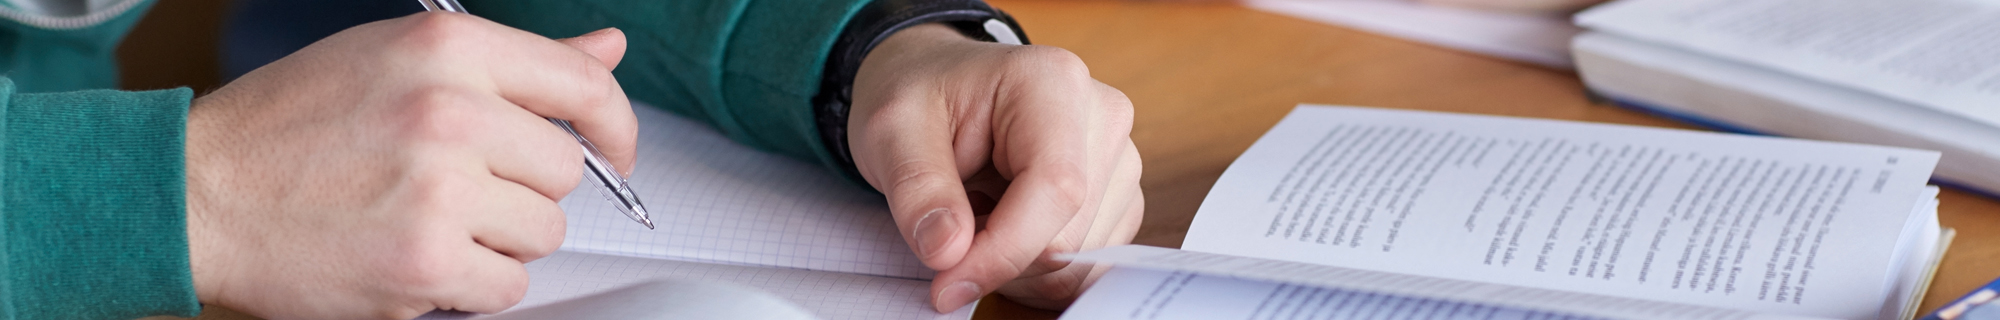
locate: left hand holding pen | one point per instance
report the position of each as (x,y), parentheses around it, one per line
(395,168)
(944,125)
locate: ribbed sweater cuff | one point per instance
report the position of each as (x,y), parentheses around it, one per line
(94,204)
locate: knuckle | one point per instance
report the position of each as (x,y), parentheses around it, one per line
(430,202)
(598,80)
(1067,242)
(1118,108)
(1055,60)
(422,267)
(434,33)
(595,87)
(1009,269)
(1047,260)
(1067,191)
(549,238)
(1133,164)
(554,173)
(555,148)
(1115,100)
(557,226)
(918,175)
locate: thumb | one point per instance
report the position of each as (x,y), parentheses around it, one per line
(912,163)
(606,44)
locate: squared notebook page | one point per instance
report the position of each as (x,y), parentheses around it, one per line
(715,200)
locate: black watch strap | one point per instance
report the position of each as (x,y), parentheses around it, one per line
(875,22)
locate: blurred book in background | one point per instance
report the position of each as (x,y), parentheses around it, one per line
(1981,304)
(1911,73)
(1527,36)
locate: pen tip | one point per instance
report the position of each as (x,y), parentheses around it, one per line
(639,213)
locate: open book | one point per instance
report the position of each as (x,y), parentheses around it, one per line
(731,214)
(1357,213)
(1911,73)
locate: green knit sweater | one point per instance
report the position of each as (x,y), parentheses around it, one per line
(92,193)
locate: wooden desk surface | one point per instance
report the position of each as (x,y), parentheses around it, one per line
(1208,79)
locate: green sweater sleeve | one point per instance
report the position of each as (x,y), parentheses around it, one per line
(748,68)
(92,196)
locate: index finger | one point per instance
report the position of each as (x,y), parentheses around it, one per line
(575,84)
(570,81)
(1050,185)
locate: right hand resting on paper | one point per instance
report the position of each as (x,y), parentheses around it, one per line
(396,167)
(946,127)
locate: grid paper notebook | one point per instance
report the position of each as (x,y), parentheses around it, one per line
(718,201)
(729,213)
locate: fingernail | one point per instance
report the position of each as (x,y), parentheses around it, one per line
(957,296)
(934,231)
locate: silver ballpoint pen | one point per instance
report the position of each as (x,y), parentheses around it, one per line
(607,178)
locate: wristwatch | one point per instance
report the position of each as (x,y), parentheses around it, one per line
(875,22)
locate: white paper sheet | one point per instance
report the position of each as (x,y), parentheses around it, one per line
(1143,294)
(1214,283)
(1943,54)
(733,214)
(1749,223)
(715,200)
(1538,39)
(1923,247)
(1435,290)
